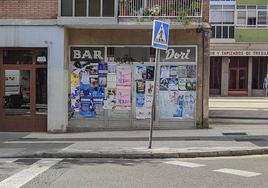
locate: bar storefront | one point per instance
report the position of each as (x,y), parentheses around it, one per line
(111,86)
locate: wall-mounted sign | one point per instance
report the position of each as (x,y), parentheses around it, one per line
(239,53)
(87,53)
(41,59)
(179,54)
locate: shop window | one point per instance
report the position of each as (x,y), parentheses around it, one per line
(259,70)
(41,91)
(215,73)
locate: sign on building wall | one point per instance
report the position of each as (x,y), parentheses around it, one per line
(179,54)
(238,53)
(87,54)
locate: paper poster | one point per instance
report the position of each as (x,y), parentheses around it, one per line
(123,76)
(150,73)
(112,68)
(140,99)
(166,107)
(110,98)
(111,80)
(149,87)
(164,82)
(140,86)
(93,69)
(148,101)
(182,72)
(75,91)
(190,84)
(87,106)
(173,84)
(191,71)
(98,95)
(102,81)
(182,84)
(173,71)
(143,113)
(103,68)
(123,97)
(84,77)
(140,72)
(94,82)
(164,71)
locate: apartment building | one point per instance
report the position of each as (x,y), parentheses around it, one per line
(238,62)
(100,64)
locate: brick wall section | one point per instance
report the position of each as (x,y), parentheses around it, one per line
(206,10)
(28,9)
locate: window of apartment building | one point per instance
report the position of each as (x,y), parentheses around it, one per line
(222,20)
(252,16)
(87,8)
(259,70)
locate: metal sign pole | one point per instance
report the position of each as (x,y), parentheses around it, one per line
(154,97)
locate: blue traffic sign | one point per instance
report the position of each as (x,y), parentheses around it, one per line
(160,35)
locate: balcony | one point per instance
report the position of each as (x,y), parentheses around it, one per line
(90,13)
(147,10)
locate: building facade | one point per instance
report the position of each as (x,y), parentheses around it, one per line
(238,63)
(100,65)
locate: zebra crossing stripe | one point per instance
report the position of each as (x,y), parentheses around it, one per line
(185,164)
(19,179)
(237,172)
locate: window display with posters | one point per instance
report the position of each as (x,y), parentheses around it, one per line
(177,84)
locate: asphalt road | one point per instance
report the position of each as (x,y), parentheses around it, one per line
(242,172)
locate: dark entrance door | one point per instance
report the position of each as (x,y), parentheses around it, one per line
(215,76)
(23,89)
(238,76)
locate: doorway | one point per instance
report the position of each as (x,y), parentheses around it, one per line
(238,76)
(23,89)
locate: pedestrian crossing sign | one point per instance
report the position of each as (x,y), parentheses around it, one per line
(160,35)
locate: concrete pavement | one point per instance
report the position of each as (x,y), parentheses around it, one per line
(220,140)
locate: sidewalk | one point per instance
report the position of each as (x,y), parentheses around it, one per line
(220,140)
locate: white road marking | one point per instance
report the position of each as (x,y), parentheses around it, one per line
(185,164)
(8,160)
(238,172)
(39,142)
(19,179)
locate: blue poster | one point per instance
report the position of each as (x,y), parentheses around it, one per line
(87,106)
(103,68)
(140,100)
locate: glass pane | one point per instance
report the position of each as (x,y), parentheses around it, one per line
(80,7)
(41,57)
(216,17)
(94,8)
(108,8)
(242,79)
(41,91)
(232,79)
(66,7)
(262,17)
(18,57)
(231,32)
(228,17)
(241,17)
(17,92)
(225,32)
(218,32)
(213,32)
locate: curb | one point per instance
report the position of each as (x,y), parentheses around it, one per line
(225,153)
